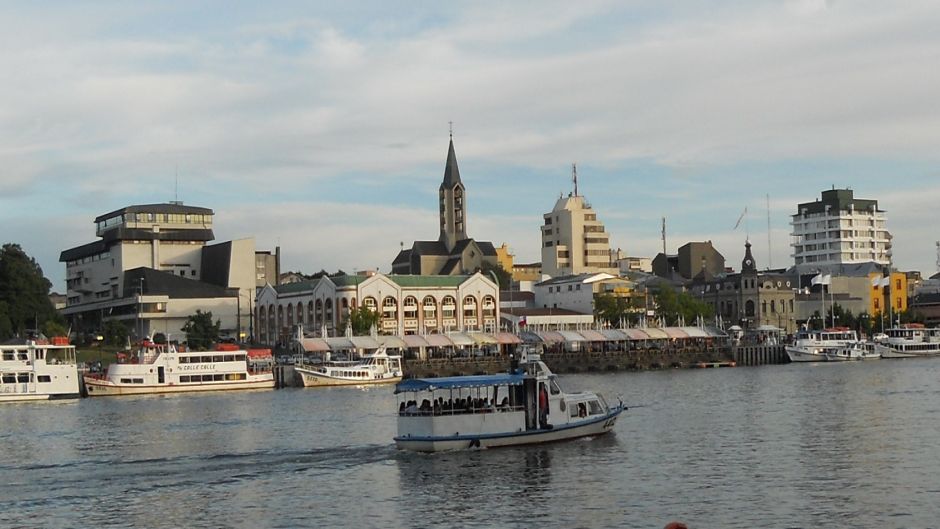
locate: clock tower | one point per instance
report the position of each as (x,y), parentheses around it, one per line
(747,265)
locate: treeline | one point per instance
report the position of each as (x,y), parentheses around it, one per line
(24,297)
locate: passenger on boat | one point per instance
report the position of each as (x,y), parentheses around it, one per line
(543,406)
(504,405)
(401,408)
(411,408)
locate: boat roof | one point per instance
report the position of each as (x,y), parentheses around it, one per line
(475,381)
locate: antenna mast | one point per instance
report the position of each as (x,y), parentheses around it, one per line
(938,256)
(574,177)
(664,235)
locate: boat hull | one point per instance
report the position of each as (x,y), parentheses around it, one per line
(29,397)
(588,428)
(802,355)
(103,388)
(313,379)
(890,352)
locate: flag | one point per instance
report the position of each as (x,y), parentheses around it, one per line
(817,279)
(826,280)
(886,281)
(522,321)
(875,282)
(738,223)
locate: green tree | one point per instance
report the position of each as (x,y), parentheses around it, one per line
(504,277)
(200,331)
(115,333)
(362,319)
(54,328)
(25,292)
(671,305)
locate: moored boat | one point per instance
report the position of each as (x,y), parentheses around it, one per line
(909,341)
(376,368)
(161,368)
(826,345)
(38,370)
(462,412)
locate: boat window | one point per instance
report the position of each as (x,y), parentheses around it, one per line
(125,381)
(8,355)
(44,378)
(9,378)
(206,359)
(218,377)
(22,377)
(207,378)
(184,359)
(228,358)
(138,381)
(239,358)
(21,355)
(553,387)
(184,378)
(595,407)
(573,408)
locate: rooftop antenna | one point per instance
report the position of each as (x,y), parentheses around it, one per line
(938,256)
(450,125)
(176,187)
(574,177)
(664,235)
(769,249)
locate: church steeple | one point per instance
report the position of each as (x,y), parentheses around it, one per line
(453,205)
(748,265)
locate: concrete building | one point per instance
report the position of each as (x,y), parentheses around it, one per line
(407,304)
(577,292)
(692,260)
(153,267)
(453,253)
(839,229)
(267,267)
(573,240)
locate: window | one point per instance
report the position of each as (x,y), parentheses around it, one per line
(44,378)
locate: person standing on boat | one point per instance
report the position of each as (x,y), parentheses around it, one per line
(543,406)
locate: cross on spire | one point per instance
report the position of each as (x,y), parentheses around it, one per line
(450,125)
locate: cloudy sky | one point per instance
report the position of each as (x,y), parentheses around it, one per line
(323,128)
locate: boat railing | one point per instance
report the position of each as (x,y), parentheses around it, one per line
(459,411)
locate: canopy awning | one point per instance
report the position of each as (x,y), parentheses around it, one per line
(460,339)
(593,336)
(507,338)
(431,384)
(364,342)
(315,345)
(550,337)
(482,338)
(636,334)
(655,333)
(615,335)
(571,336)
(695,332)
(438,340)
(530,337)
(388,340)
(414,341)
(675,332)
(715,332)
(339,343)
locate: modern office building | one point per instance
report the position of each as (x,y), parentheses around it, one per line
(453,253)
(839,229)
(573,240)
(692,260)
(152,268)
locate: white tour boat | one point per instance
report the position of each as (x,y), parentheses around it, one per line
(376,368)
(827,345)
(909,341)
(161,368)
(37,370)
(462,412)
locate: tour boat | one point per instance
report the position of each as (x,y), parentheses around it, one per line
(909,341)
(37,370)
(825,345)
(161,368)
(457,413)
(376,368)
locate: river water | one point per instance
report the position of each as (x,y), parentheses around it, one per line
(801,445)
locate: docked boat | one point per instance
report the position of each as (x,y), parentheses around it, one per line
(909,341)
(375,368)
(38,370)
(161,368)
(524,406)
(827,345)
(856,351)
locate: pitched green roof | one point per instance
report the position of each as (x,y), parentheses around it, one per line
(413,281)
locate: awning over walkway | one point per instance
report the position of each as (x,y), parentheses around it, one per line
(438,340)
(460,339)
(414,341)
(507,338)
(482,338)
(314,345)
(636,334)
(615,335)
(656,333)
(550,337)
(593,336)
(530,337)
(394,342)
(675,332)
(364,342)
(695,332)
(339,343)
(571,336)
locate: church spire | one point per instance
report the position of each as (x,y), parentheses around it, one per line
(748,264)
(453,202)
(451,172)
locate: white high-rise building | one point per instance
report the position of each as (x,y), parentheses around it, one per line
(573,240)
(839,229)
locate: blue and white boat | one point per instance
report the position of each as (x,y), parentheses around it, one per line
(524,406)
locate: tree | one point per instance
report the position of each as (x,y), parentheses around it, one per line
(613,309)
(54,328)
(25,292)
(362,319)
(115,333)
(200,331)
(504,277)
(671,305)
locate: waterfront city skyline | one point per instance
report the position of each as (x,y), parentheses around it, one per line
(297,123)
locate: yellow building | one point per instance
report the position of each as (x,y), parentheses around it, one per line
(880,293)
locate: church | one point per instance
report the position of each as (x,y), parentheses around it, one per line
(453,253)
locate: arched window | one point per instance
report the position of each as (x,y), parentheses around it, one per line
(328,312)
(448,307)
(489,306)
(310,314)
(262,319)
(389,308)
(469,307)
(300,313)
(290,315)
(409,307)
(749,308)
(280,318)
(345,307)
(318,310)
(369,303)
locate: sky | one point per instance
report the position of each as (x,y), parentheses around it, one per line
(322,128)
